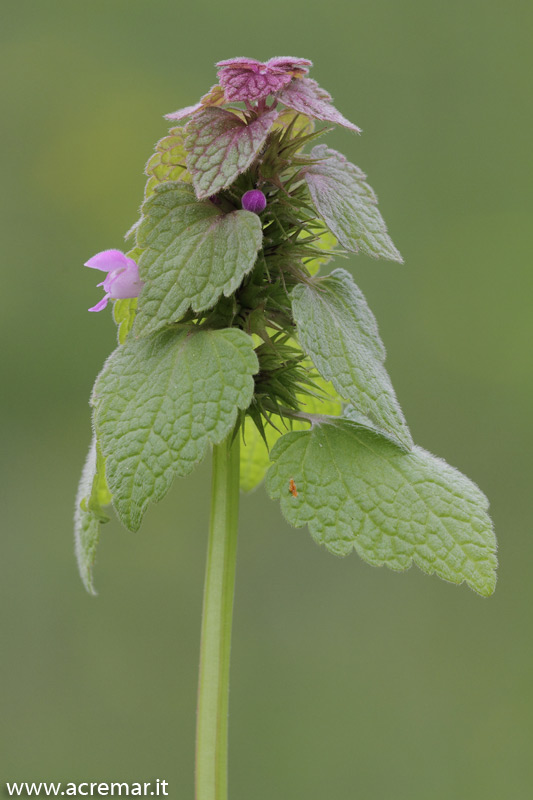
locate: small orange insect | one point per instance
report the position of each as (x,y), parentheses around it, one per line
(292,488)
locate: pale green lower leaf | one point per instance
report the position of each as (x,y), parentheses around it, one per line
(358,491)
(124,316)
(92,495)
(160,401)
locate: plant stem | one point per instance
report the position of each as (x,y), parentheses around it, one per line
(213,684)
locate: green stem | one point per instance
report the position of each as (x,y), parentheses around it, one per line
(213,684)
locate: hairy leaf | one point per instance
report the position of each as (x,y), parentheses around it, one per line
(214,97)
(358,491)
(124,315)
(160,401)
(193,253)
(92,495)
(168,161)
(348,205)
(307,97)
(339,332)
(220,146)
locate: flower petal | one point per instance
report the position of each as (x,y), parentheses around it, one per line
(107,260)
(101,305)
(123,283)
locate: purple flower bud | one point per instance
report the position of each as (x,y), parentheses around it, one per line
(254,200)
(122,279)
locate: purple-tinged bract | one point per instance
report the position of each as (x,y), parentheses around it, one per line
(245,79)
(254,200)
(214,97)
(284,78)
(306,97)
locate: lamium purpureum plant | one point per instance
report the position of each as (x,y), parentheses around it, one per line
(233,336)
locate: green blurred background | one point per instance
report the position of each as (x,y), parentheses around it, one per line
(347,681)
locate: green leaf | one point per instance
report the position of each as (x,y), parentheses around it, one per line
(348,205)
(168,161)
(358,491)
(220,146)
(92,495)
(124,315)
(160,401)
(193,253)
(255,458)
(339,333)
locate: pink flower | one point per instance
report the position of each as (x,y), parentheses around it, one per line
(247,79)
(122,278)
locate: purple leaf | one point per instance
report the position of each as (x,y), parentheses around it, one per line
(220,146)
(214,97)
(247,79)
(305,96)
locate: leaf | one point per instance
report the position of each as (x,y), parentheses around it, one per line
(194,253)
(358,491)
(214,97)
(339,333)
(124,316)
(255,458)
(348,205)
(160,401)
(307,97)
(89,514)
(168,161)
(220,146)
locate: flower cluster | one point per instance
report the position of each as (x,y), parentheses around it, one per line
(230,132)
